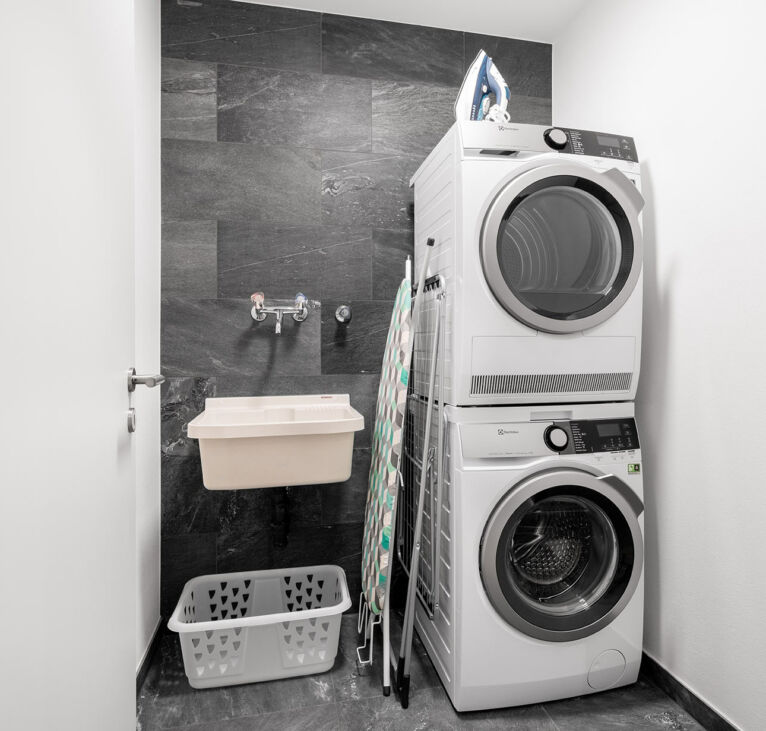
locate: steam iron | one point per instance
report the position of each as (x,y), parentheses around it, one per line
(473,100)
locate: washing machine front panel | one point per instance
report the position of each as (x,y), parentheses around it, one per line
(561,246)
(561,554)
(492,451)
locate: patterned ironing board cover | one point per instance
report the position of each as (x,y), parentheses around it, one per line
(386,450)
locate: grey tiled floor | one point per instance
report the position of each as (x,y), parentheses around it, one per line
(344,698)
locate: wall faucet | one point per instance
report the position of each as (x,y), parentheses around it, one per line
(299,309)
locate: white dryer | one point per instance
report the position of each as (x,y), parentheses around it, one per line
(535,589)
(538,241)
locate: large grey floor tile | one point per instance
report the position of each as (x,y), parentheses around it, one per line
(359,346)
(219,337)
(291,108)
(380,49)
(352,682)
(366,189)
(319,718)
(525,65)
(349,697)
(168,701)
(228,180)
(410,118)
(189,100)
(241,33)
(430,708)
(641,706)
(320,261)
(189,256)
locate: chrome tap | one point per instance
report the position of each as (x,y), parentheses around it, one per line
(302,307)
(257,312)
(299,310)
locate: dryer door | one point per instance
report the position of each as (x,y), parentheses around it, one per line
(561,246)
(562,553)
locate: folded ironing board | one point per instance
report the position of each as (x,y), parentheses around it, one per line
(386,452)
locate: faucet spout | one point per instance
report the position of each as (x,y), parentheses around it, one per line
(278,317)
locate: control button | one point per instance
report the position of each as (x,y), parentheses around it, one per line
(555,138)
(556,438)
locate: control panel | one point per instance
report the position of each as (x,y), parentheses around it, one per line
(542,438)
(585,142)
(601,435)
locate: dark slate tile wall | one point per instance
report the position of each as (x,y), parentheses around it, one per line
(289,138)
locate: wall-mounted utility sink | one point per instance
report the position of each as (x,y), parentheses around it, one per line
(271,441)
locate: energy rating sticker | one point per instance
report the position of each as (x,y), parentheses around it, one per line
(634,468)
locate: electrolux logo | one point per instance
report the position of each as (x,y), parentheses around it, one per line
(503,432)
(503,128)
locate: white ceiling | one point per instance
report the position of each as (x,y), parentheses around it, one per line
(534,20)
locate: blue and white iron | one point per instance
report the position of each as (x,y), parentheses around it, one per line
(473,99)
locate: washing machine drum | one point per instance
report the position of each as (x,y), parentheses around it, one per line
(561,563)
(561,246)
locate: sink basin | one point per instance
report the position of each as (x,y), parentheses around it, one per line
(271,441)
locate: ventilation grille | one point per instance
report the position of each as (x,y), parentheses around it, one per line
(549,383)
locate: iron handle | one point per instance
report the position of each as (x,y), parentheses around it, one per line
(148,381)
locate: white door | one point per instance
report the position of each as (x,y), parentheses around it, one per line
(67,334)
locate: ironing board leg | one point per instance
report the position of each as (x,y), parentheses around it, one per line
(386,650)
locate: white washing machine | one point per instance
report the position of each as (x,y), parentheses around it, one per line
(534,588)
(538,240)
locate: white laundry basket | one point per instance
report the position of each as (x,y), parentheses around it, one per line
(260,625)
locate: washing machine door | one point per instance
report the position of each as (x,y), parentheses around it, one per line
(561,246)
(562,553)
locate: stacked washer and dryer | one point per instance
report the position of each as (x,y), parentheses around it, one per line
(531,585)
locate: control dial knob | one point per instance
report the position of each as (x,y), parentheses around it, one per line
(555,138)
(556,438)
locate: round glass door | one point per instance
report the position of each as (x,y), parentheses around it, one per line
(560,254)
(561,563)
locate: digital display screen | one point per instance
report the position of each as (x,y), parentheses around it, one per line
(608,430)
(607,141)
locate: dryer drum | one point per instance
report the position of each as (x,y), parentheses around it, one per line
(561,252)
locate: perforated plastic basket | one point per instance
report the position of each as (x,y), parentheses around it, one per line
(260,625)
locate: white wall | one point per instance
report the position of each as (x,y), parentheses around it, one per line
(686,79)
(147,401)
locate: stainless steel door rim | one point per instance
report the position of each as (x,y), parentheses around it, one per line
(616,185)
(614,492)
